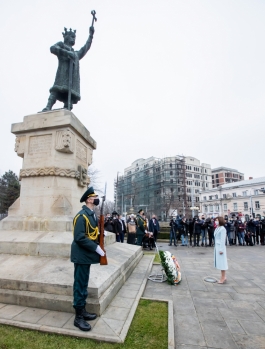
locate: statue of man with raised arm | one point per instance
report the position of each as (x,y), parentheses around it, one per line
(66,87)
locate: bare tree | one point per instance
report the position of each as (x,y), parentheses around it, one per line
(94,179)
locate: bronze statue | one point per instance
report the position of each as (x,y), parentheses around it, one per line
(66,87)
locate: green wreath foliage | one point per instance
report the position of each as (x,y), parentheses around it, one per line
(170,276)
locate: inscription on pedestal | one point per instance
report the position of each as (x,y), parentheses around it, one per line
(40,144)
(81,151)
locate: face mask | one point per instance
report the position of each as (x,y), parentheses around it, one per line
(96,202)
(216,222)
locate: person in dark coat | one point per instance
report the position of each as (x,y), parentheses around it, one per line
(141,227)
(173,229)
(227,228)
(84,252)
(262,230)
(154,226)
(251,229)
(65,52)
(197,231)
(210,228)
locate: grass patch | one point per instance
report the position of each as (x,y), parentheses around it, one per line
(148,331)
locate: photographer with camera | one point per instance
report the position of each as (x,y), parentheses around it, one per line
(108,224)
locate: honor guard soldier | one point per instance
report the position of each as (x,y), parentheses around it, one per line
(84,252)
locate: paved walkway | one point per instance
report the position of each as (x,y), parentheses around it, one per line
(229,316)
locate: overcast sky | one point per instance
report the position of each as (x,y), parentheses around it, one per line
(162,78)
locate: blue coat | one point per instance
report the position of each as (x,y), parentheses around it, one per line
(152,226)
(220,260)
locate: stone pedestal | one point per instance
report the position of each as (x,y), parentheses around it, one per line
(56,150)
(36,237)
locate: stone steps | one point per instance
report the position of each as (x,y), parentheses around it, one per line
(111,326)
(46,282)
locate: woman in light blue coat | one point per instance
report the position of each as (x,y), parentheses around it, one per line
(220,259)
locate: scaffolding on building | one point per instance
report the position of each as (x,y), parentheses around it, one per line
(158,187)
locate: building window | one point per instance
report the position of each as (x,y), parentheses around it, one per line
(217,208)
(211,208)
(245,206)
(206,208)
(234,195)
(257,207)
(244,193)
(171,173)
(204,198)
(235,206)
(216,176)
(216,196)
(171,181)
(225,207)
(256,192)
(224,196)
(210,197)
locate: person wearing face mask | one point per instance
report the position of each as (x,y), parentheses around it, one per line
(220,258)
(84,252)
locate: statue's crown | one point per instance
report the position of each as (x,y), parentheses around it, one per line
(68,32)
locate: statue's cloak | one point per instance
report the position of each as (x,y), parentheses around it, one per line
(61,83)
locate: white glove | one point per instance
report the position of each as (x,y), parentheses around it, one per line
(100,251)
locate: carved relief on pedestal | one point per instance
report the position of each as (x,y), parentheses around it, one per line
(65,140)
(20,146)
(83,180)
(49,171)
(39,145)
(81,151)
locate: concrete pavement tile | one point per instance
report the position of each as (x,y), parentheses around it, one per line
(134,280)
(249,342)
(9,311)
(209,303)
(115,313)
(103,328)
(55,319)
(206,315)
(211,295)
(253,328)
(147,294)
(261,313)
(262,304)
(2,305)
(248,315)
(127,293)
(245,297)
(221,288)
(115,325)
(250,290)
(31,315)
(188,330)
(122,302)
(197,286)
(132,286)
(217,335)
(251,305)
(70,324)
(234,326)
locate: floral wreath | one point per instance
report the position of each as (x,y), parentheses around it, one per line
(168,262)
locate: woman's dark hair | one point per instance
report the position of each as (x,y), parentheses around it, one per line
(221,221)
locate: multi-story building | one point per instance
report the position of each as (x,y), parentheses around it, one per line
(243,198)
(162,186)
(223,175)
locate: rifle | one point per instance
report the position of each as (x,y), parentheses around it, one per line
(103,259)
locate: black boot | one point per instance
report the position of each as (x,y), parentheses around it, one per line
(88,316)
(80,322)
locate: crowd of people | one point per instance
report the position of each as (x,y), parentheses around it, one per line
(199,231)
(139,229)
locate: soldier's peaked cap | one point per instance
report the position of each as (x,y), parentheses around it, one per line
(140,210)
(90,192)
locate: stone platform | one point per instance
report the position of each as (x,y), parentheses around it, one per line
(111,326)
(46,281)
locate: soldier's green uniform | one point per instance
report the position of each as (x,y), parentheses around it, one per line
(141,227)
(83,254)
